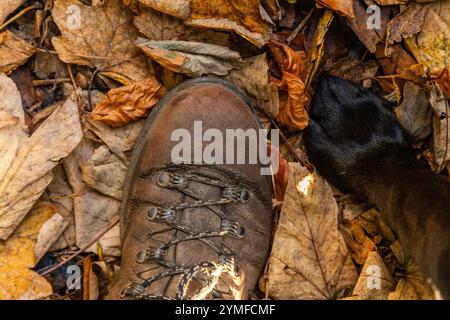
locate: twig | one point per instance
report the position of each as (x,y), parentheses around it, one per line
(48,82)
(94,240)
(299,28)
(36,5)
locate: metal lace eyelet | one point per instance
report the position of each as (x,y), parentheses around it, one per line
(159,213)
(236,194)
(171,180)
(141,257)
(233,228)
(245,196)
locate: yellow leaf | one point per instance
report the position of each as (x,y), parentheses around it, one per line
(18,255)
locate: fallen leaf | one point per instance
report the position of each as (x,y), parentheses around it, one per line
(14,52)
(7,7)
(441,128)
(375,282)
(129,103)
(19,253)
(105,172)
(431,46)
(157,26)
(293,110)
(293,105)
(93,210)
(368,36)
(344,8)
(29,173)
(309,258)
(396,62)
(414,113)
(12,123)
(191,58)
(354,70)
(407,23)
(442,79)
(101,39)
(176,8)
(253,78)
(242,17)
(121,140)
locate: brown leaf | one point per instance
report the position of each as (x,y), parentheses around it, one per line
(14,51)
(293,111)
(369,37)
(191,58)
(253,78)
(407,23)
(309,258)
(93,210)
(431,46)
(443,81)
(130,103)
(414,113)
(396,62)
(176,8)
(29,172)
(441,128)
(7,7)
(375,281)
(242,17)
(159,26)
(287,59)
(101,39)
(343,7)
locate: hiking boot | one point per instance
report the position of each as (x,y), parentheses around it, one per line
(193,231)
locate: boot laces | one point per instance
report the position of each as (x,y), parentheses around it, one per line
(235,189)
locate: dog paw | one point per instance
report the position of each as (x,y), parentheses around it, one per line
(349,128)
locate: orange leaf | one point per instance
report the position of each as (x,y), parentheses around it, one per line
(343,7)
(443,80)
(287,59)
(293,112)
(281,178)
(130,103)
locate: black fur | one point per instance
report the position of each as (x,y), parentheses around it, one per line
(356,143)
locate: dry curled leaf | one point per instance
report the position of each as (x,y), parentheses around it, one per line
(253,78)
(242,17)
(129,103)
(343,7)
(293,107)
(101,38)
(14,51)
(176,8)
(155,25)
(293,104)
(191,58)
(309,258)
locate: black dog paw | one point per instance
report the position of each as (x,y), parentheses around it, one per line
(350,127)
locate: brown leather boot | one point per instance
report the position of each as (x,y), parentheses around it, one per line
(193,231)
